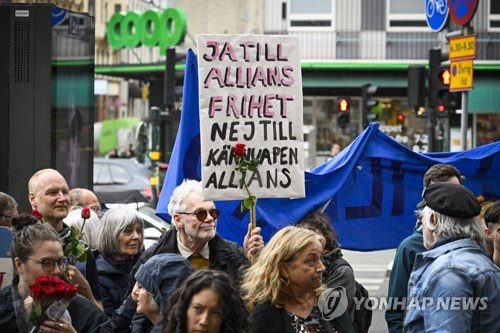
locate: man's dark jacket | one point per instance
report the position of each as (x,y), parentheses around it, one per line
(225,256)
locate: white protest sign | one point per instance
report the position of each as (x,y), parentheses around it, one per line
(251,93)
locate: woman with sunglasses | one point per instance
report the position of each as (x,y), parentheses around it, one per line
(36,250)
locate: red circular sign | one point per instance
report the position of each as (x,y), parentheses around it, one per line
(462,11)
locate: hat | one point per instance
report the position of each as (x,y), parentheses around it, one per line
(452,200)
(162,274)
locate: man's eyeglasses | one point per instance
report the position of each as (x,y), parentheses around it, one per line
(201,214)
(48,264)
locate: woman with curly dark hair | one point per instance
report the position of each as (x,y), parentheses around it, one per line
(207,301)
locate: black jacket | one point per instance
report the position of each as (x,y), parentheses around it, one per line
(224,255)
(114,277)
(86,317)
(266,318)
(338,273)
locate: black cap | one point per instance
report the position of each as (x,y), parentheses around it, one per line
(452,200)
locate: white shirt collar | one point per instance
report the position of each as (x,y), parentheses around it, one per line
(186,252)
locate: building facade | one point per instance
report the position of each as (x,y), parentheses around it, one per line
(346,44)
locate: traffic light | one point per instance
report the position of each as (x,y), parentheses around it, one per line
(154,146)
(173,79)
(343,107)
(440,96)
(343,104)
(416,89)
(400,118)
(367,102)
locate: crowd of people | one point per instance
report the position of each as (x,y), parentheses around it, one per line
(193,280)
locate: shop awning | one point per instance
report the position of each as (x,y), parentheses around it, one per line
(483,99)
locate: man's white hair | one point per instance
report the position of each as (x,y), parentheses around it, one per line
(448,226)
(180,193)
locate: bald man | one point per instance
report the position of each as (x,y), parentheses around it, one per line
(49,194)
(81,197)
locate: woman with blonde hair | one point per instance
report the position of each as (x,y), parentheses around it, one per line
(283,285)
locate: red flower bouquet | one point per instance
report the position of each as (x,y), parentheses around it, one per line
(76,249)
(51,297)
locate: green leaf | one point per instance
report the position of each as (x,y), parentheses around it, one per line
(255,162)
(242,207)
(74,232)
(247,203)
(70,248)
(35,312)
(252,168)
(80,249)
(82,257)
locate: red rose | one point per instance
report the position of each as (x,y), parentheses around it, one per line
(50,288)
(60,290)
(36,291)
(85,213)
(37,214)
(70,290)
(239,149)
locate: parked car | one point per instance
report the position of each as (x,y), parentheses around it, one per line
(119,175)
(154,226)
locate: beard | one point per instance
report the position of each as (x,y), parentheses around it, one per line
(428,239)
(200,235)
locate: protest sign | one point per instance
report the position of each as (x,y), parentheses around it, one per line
(251,93)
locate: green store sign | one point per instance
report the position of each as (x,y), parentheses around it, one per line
(151,28)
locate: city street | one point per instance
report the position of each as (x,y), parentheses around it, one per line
(371,269)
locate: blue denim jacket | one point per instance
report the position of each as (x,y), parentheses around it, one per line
(443,280)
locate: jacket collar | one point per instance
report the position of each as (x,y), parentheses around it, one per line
(217,246)
(449,245)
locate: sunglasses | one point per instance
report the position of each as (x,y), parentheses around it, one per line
(201,214)
(48,265)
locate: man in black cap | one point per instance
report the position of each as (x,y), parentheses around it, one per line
(407,251)
(454,286)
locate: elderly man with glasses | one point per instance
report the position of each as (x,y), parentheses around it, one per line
(195,238)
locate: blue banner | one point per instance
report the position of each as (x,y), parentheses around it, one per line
(370,190)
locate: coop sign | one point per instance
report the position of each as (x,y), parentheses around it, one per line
(151,28)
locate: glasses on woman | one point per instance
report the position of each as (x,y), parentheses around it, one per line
(201,214)
(48,265)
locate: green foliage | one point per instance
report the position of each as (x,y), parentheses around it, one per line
(76,249)
(35,315)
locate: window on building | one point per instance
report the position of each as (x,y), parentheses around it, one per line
(494,15)
(407,15)
(311,14)
(118,8)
